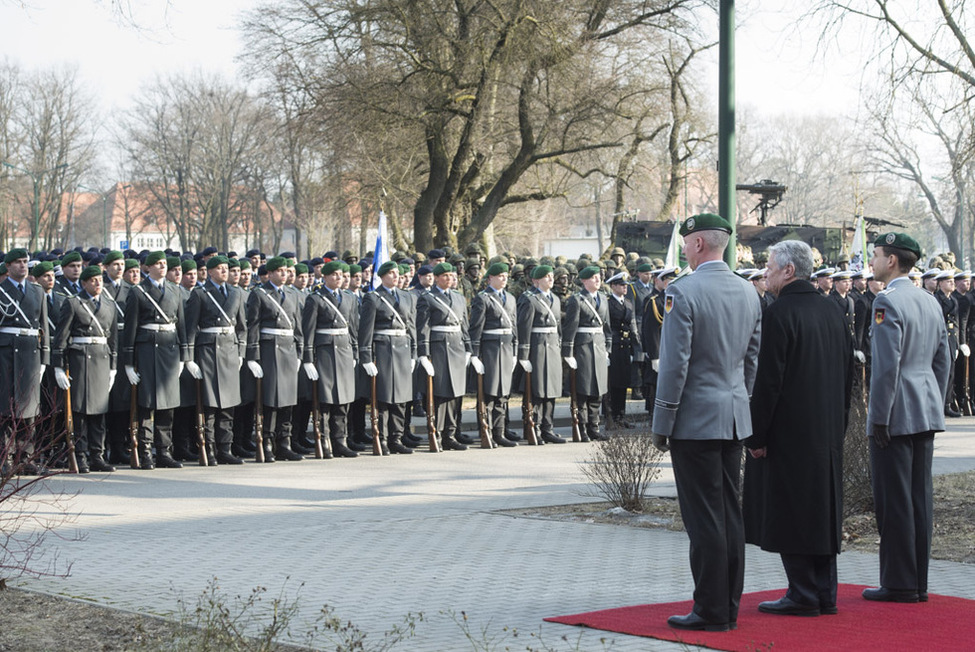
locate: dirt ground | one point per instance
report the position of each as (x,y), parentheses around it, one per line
(33,622)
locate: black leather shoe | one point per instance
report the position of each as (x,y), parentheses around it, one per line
(300,449)
(285,453)
(695,623)
(167,462)
(553,439)
(397,447)
(599,436)
(410,442)
(504,442)
(828,609)
(83,466)
(889,595)
(356,447)
(922,596)
(451,444)
(98,465)
(954,414)
(228,458)
(512,435)
(339,449)
(786,606)
(183,455)
(268,452)
(242,453)
(467,440)
(146,463)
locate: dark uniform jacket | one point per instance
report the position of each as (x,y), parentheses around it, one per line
(587,336)
(651,324)
(275,340)
(949,309)
(331,329)
(626,342)
(442,336)
(539,341)
(119,399)
(494,338)
(86,345)
(22,353)
(65,288)
(154,342)
(799,405)
(387,336)
(216,328)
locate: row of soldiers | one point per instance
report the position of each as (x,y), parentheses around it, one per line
(217,336)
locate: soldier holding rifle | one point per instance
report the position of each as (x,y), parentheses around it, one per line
(85,345)
(330,322)
(217,331)
(539,338)
(494,342)
(587,339)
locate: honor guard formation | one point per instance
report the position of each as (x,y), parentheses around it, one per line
(156,358)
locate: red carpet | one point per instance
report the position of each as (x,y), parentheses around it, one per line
(942,623)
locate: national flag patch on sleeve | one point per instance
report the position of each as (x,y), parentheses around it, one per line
(668,303)
(878,315)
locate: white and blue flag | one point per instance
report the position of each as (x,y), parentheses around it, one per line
(381,252)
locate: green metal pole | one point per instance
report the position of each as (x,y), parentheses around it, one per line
(37,216)
(726,125)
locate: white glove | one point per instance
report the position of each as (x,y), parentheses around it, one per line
(132,375)
(240,363)
(43,369)
(655,365)
(182,365)
(477,364)
(571,362)
(311,371)
(526,365)
(965,350)
(859,356)
(413,364)
(111,377)
(427,365)
(61,378)
(255,368)
(467,358)
(371,369)
(194,370)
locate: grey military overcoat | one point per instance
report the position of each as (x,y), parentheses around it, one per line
(583,315)
(275,340)
(331,328)
(494,338)
(387,336)
(539,341)
(21,355)
(87,362)
(441,324)
(216,327)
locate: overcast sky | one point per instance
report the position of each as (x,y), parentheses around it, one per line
(777,69)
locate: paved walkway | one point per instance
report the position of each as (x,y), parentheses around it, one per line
(376,538)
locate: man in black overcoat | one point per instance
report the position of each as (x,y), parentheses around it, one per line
(794,477)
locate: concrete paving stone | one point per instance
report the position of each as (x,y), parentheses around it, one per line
(376,538)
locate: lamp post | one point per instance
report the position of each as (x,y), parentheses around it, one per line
(37,197)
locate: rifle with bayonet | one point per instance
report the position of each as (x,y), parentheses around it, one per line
(377,445)
(201,439)
(574,407)
(482,420)
(134,426)
(259,420)
(528,412)
(69,432)
(432,436)
(316,415)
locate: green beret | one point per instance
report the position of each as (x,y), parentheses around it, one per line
(496,269)
(895,240)
(541,271)
(213,261)
(154,257)
(404,269)
(705,222)
(301,268)
(387,267)
(443,268)
(112,256)
(354,269)
(275,262)
(130,263)
(17,254)
(70,257)
(172,261)
(589,272)
(334,266)
(189,266)
(40,269)
(90,272)
(244,263)
(233,262)
(645,267)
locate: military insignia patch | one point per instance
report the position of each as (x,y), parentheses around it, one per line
(668,303)
(878,315)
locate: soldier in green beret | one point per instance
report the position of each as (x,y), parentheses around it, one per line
(586,341)
(70,281)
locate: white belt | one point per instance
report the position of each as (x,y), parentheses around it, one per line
(277,331)
(161,328)
(592,330)
(496,331)
(218,330)
(88,340)
(546,329)
(391,332)
(445,329)
(332,331)
(26,332)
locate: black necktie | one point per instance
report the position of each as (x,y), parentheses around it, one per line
(23,292)
(504,299)
(281,295)
(337,296)
(597,301)
(223,291)
(50,302)
(98,304)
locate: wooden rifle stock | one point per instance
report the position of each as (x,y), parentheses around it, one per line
(259,420)
(574,407)
(432,438)
(377,445)
(69,430)
(134,426)
(528,412)
(316,415)
(201,439)
(482,421)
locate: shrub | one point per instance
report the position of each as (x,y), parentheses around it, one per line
(622,469)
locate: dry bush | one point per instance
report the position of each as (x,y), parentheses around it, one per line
(622,469)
